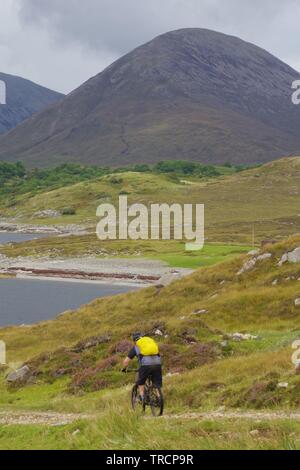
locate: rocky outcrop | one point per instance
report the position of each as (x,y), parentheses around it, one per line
(18,375)
(252,262)
(47,214)
(242,337)
(291,257)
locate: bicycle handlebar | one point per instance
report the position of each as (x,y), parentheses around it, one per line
(127,371)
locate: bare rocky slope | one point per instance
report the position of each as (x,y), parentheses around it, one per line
(189,94)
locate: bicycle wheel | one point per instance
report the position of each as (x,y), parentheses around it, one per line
(135,399)
(156,401)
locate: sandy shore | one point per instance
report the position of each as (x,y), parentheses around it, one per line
(14,227)
(109,281)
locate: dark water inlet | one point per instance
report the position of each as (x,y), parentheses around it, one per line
(27,301)
(8,237)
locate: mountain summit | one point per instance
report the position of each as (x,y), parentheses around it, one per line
(23,99)
(190,94)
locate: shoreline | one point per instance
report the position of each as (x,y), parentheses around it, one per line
(81,276)
(119,271)
(109,282)
(51,230)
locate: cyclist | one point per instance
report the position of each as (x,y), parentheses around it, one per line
(147,352)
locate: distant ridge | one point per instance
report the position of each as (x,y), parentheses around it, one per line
(23,99)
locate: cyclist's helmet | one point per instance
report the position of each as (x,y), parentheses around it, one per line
(136,336)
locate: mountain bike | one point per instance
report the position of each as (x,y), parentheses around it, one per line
(153,398)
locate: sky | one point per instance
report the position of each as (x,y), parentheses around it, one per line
(62,43)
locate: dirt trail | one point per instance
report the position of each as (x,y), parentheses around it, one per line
(46,418)
(61,419)
(250,415)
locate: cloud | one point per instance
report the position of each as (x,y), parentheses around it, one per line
(62,43)
(29,51)
(118,26)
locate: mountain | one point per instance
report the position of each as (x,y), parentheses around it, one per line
(23,99)
(190,94)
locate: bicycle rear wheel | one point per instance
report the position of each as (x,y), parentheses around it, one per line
(156,401)
(134,397)
(135,400)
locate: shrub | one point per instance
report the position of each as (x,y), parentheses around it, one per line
(69,211)
(115,180)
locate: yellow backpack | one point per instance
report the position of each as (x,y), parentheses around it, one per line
(147,346)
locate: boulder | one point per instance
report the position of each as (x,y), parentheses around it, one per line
(294,256)
(264,257)
(172,374)
(200,312)
(253,252)
(283,260)
(297,302)
(252,262)
(283,385)
(291,257)
(247,266)
(18,375)
(242,337)
(158,333)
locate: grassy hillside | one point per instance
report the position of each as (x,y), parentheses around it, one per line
(171,252)
(16,179)
(264,200)
(233,302)
(210,370)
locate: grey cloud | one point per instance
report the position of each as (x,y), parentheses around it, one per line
(61,43)
(120,25)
